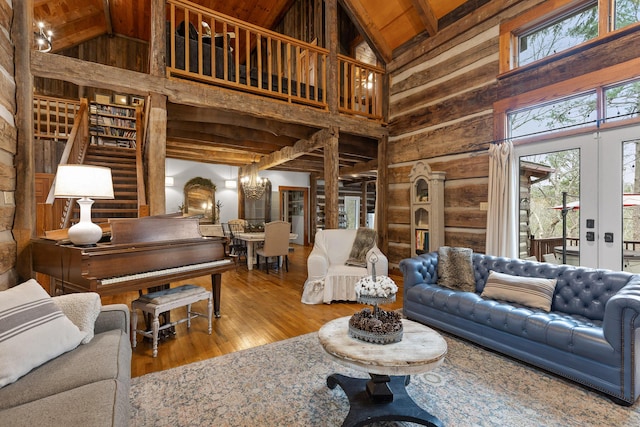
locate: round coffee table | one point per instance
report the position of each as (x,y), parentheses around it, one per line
(384,396)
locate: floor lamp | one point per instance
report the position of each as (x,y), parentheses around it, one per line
(84,183)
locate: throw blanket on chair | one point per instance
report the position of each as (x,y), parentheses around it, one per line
(365,240)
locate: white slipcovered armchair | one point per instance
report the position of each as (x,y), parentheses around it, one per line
(329,278)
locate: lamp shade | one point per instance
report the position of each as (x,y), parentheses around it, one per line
(75,181)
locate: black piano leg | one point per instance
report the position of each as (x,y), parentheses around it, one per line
(216,285)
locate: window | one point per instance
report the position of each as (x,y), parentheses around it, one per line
(626,12)
(560,26)
(622,101)
(569,113)
(564,33)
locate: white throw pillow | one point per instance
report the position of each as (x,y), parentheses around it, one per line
(533,292)
(33,330)
(82,309)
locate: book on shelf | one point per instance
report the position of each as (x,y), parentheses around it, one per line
(422,240)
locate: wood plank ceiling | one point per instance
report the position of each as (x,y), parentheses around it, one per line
(199,135)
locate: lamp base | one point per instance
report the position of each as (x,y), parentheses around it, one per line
(85,233)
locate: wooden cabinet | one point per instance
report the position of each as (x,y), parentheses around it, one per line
(113,125)
(427,209)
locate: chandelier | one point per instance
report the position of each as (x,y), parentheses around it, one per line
(252,185)
(43,38)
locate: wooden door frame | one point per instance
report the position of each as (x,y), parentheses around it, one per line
(305,204)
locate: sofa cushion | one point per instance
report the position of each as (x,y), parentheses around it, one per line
(364,241)
(455,268)
(82,309)
(33,330)
(103,403)
(533,292)
(107,356)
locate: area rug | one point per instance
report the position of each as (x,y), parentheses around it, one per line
(284,384)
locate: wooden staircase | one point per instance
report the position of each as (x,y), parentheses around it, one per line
(122,162)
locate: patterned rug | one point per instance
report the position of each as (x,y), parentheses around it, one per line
(284,384)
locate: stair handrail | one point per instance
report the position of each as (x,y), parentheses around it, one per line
(74,152)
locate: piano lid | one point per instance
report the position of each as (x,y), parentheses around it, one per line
(154,229)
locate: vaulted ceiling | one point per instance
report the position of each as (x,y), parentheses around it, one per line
(194,134)
(389,24)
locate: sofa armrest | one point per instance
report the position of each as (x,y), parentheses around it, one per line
(317,264)
(382,265)
(622,314)
(113,316)
(420,269)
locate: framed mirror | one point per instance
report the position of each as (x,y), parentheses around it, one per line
(200,199)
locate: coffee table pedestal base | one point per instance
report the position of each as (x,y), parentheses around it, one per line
(382,398)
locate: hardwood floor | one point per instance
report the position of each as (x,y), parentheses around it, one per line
(256,308)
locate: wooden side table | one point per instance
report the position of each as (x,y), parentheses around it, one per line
(384,396)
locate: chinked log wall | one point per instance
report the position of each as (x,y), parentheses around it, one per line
(441,110)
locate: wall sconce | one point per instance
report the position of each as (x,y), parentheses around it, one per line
(168,181)
(84,182)
(43,38)
(230,183)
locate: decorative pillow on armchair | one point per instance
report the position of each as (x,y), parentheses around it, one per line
(364,241)
(455,269)
(33,330)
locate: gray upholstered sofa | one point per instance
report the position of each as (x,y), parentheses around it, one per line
(591,334)
(87,386)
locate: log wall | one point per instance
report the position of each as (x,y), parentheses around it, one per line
(8,143)
(442,93)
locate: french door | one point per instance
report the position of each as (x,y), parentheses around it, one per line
(598,174)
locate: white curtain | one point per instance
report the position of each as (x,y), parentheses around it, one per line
(502,218)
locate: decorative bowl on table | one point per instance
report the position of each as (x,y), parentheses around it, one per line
(376,325)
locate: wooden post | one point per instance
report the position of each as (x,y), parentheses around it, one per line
(363,203)
(382,192)
(158,45)
(331,39)
(313,206)
(24,185)
(331,179)
(156,153)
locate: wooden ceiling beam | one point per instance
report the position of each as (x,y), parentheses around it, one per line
(187,113)
(427,16)
(365,25)
(298,149)
(360,168)
(107,16)
(256,149)
(237,133)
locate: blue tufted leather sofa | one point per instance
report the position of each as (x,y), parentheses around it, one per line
(591,335)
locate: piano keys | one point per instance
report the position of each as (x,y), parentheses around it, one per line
(142,253)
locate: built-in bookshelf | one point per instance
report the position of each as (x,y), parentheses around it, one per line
(427,209)
(112,125)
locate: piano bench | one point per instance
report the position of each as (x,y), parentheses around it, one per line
(159,302)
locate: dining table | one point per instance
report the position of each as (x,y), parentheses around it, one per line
(252,240)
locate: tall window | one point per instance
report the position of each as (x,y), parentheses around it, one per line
(626,12)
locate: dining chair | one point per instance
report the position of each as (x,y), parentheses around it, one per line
(276,243)
(237,247)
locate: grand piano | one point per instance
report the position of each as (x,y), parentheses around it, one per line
(141,253)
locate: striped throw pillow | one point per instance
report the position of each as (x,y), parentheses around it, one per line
(530,291)
(33,330)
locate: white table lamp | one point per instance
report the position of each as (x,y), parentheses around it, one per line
(84,183)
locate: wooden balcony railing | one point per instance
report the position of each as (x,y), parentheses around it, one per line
(223,51)
(360,87)
(53,118)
